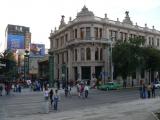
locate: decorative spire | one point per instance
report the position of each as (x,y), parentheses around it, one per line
(146,25)
(84,12)
(62,23)
(105,15)
(127,19)
(153,27)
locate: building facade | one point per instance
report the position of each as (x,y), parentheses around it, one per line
(83,44)
(18,39)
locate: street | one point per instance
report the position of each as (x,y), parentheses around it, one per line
(29,103)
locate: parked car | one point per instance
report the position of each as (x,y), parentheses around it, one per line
(157,85)
(110,86)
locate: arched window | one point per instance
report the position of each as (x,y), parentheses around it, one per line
(88,54)
(96,54)
(101,54)
(82,54)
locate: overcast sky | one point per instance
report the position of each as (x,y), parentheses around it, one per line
(43,15)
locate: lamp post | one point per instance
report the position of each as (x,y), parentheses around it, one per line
(51,69)
(26,64)
(111,63)
(64,74)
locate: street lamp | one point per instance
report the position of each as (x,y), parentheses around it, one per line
(51,69)
(26,64)
(64,74)
(111,63)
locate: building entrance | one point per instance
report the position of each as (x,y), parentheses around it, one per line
(86,72)
(98,70)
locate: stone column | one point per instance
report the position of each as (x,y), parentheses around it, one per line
(92,53)
(79,73)
(104,32)
(70,73)
(107,33)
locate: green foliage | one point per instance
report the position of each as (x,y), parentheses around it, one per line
(11,69)
(129,56)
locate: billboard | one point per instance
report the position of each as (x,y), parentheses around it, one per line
(37,50)
(15,42)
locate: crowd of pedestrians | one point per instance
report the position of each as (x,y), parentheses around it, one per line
(147,91)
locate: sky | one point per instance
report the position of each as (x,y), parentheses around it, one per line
(43,15)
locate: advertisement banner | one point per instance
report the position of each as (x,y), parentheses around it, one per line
(15,42)
(37,50)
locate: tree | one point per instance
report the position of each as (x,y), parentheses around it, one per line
(128,56)
(10,70)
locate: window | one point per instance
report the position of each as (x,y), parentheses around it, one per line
(96,54)
(101,54)
(62,58)
(66,37)
(113,35)
(88,33)
(88,54)
(158,42)
(125,36)
(82,54)
(58,58)
(152,41)
(62,40)
(121,36)
(75,33)
(100,33)
(149,40)
(96,33)
(67,56)
(75,54)
(82,33)
(57,43)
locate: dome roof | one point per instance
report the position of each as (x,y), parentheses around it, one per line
(84,12)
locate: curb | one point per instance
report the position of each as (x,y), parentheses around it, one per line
(153,114)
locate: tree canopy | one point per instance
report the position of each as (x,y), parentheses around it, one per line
(131,55)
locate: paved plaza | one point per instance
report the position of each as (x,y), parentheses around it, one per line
(101,105)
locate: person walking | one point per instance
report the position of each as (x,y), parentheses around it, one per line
(51,96)
(143,91)
(1,89)
(56,99)
(82,90)
(46,94)
(153,90)
(149,90)
(86,91)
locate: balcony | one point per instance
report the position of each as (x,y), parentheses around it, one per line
(87,40)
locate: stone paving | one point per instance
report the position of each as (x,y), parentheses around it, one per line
(112,110)
(138,109)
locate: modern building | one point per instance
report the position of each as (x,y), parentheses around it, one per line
(18,39)
(82,44)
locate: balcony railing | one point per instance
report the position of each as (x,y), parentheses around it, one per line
(88,40)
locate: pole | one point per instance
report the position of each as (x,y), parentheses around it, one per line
(111,63)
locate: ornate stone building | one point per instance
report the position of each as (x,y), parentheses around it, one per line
(82,45)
